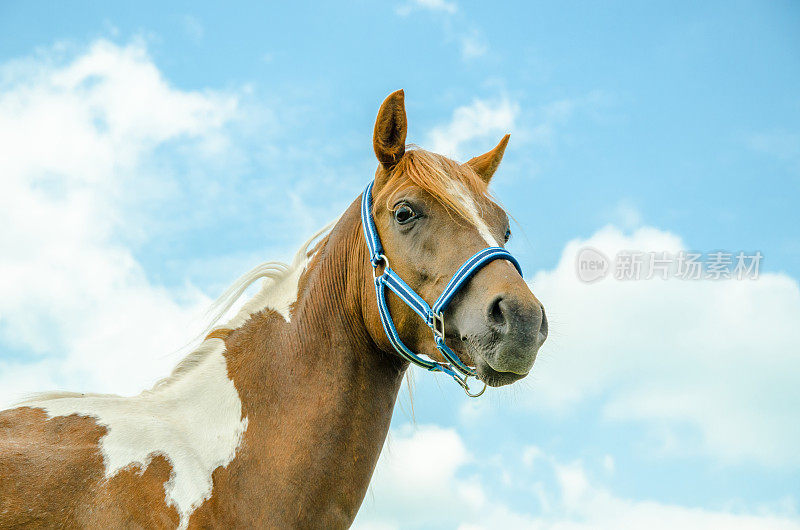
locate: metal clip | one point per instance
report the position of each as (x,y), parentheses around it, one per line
(437,324)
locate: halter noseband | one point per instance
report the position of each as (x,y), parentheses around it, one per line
(433,316)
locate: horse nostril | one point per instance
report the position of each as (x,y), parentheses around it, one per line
(496,313)
(543,326)
(518,323)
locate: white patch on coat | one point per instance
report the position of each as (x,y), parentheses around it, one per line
(460,193)
(195,421)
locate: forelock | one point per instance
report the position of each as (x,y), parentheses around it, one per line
(439,176)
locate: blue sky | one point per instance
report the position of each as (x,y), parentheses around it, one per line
(155,153)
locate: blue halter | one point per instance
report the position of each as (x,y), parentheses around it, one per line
(433,316)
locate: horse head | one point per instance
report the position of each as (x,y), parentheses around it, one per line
(432,215)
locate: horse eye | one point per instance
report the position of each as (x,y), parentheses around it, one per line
(508,234)
(404,214)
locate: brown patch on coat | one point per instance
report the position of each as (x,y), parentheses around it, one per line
(133,498)
(52,476)
(220,333)
(48,468)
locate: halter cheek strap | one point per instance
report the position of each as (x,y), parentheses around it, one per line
(432,315)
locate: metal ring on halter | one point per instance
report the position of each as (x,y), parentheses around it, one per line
(462,381)
(465,386)
(381,258)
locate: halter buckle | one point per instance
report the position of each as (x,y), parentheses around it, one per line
(436,323)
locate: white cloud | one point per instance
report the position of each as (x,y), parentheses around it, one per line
(783,145)
(80,140)
(718,357)
(608,463)
(478,126)
(486,120)
(420,483)
(626,215)
(549,118)
(417,469)
(441,6)
(193,27)
(583,504)
(455,27)
(473,45)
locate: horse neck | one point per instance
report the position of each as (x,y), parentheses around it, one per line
(317,392)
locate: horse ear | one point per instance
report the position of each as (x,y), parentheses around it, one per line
(389,138)
(486,164)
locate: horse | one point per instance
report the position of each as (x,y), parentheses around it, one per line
(278,417)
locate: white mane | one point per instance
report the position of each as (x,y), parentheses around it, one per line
(278,292)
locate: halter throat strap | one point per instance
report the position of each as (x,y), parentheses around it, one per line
(432,315)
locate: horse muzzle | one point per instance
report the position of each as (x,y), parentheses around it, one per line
(504,336)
